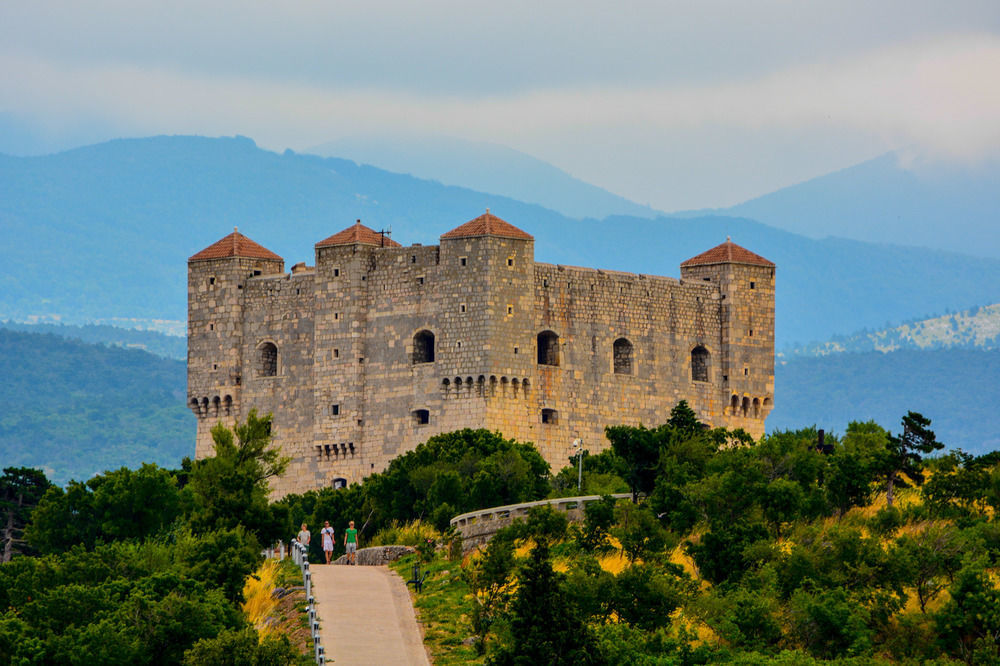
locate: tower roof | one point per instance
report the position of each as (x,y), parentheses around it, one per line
(488,224)
(727,253)
(235,245)
(358,234)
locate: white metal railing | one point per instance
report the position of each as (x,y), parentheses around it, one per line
(300,555)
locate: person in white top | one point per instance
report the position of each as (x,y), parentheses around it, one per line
(327,534)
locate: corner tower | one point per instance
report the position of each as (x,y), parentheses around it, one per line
(746,284)
(217,277)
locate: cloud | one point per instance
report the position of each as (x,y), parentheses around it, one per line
(939,94)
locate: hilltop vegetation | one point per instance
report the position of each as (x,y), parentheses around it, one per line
(769,553)
(738,551)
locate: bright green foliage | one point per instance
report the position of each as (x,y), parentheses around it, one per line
(243,647)
(969,624)
(645,595)
(962,486)
(489,577)
(545,627)
(640,533)
(479,469)
(121,504)
(21,488)
(230,489)
(829,625)
(903,458)
(929,559)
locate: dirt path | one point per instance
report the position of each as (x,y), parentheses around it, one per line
(366,616)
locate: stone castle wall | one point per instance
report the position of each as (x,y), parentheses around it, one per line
(351,388)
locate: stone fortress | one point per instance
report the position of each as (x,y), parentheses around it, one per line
(378,346)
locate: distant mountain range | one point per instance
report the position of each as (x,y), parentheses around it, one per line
(103,233)
(896,198)
(485,167)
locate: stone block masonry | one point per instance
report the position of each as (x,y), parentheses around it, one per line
(378,347)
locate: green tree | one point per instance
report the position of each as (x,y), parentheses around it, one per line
(639,448)
(21,489)
(646,595)
(230,488)
(904,454)
(969,623)
(829,624)
(490,578)
(545,627)
(929,558)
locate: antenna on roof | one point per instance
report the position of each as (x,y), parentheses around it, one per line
(384,233)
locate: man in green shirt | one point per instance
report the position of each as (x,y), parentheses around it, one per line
(351,542)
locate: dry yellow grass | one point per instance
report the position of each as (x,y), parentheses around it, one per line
(259,604)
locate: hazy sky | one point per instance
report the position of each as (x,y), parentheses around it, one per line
(676,104)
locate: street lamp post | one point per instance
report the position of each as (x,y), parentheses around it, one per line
(578,445)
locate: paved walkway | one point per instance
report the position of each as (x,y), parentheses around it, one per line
(365,616)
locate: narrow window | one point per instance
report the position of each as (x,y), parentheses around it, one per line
(335,410)
(510,262)
(623,357)
(423,347)
(548,348)
(211,281)
(413,258)
(699,364)
(336,353)
(753,285)
(421,416)
(550,416)
(516,349)
(336,272)
(510,309)
(211,327)
(461,308)
(746,372)
(267,360)
(463,260)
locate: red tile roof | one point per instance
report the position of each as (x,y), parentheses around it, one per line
(358,234)
(727,253)
(235,245)
(488,225)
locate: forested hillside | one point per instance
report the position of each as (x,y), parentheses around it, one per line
(75,409)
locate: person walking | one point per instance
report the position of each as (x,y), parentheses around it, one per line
(304,536)
(351,543)
(327,534)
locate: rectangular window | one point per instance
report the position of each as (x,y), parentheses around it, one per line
(510,262)
(753,285)
(211,281)
(510,309)
(463,260)
(336,353)
(420,280)
(335,410)
(336,272)
(413,259)
(461,308)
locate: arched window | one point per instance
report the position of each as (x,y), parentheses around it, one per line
(623,357)
(423,347)
(267,360)
(735,404)
(756,408)
(746,406)
(699,364)
(548,348)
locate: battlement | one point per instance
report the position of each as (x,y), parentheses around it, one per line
(378,346)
